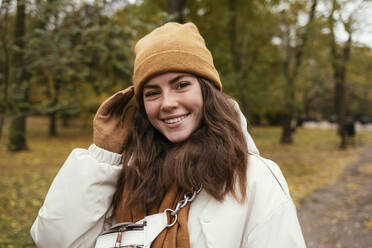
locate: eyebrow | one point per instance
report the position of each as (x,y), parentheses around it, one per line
(173,80)
(178,78)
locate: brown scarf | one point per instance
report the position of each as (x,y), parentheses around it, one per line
(176,236)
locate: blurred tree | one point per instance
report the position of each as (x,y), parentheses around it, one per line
(17,128)
(360,83)
(272,55)
(4,62)
(175,10)
(239,35)
(48,12)
(315,84)
(315,88)
(295,41)
(340,55)
(72,46)
(237,58)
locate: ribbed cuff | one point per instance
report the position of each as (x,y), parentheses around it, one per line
(104,156)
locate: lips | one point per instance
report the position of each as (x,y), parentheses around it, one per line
(176,119)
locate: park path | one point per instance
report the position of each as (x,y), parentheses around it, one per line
(340,216)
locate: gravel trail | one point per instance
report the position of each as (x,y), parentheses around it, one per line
(340,216)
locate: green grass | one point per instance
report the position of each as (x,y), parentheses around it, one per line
(314,161)
(26,176)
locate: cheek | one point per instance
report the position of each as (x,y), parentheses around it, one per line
(151,111)
(198,104)
(200,113)
(197,108)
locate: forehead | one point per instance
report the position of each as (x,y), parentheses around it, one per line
(167,77)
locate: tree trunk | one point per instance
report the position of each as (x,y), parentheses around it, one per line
(289,108)
(53,115)
(53,124)
(339,75)
(290,73)
(236,57)
(287,129)
(4,67)
(340,108)
(339,64)
(17,135)
(175,10)
(17,129)
(65,121)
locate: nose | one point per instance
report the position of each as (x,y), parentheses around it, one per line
(169,102)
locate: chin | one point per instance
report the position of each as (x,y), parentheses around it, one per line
(177,139)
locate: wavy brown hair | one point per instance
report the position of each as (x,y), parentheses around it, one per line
(215,156)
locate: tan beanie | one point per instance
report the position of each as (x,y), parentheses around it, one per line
(173,47)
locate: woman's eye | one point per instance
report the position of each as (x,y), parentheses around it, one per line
(151,93)
(183,84)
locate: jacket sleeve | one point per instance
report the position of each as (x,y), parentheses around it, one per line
(273,222)
(78,201)
(281,229)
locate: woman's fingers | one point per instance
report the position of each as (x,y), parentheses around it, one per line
(117,102)
(129,116)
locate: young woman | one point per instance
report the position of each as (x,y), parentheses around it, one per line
(185,135)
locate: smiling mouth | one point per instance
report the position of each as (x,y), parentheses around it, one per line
(174,120)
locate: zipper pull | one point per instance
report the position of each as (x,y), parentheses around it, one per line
(118,238)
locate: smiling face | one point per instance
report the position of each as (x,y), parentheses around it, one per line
(173,102)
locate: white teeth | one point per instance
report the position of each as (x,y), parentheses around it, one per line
(174,120)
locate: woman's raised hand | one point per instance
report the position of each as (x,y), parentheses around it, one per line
(111,125)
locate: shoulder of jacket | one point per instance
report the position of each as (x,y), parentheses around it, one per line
(267,191)
(265,175)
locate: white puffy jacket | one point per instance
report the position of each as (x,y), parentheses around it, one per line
(78,202)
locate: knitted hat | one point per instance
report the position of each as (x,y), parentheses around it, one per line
(173,47)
